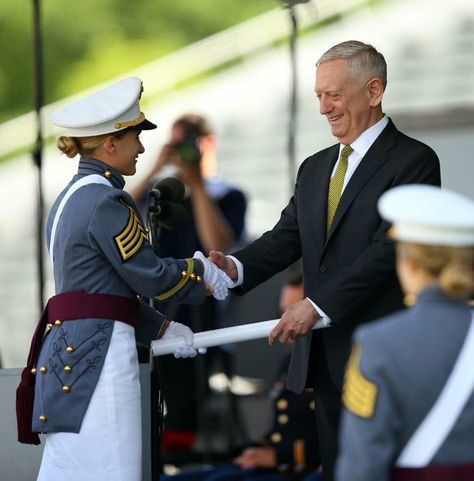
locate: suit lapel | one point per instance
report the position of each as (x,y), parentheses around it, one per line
(375,157)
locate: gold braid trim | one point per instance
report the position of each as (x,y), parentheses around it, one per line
(185,279)
(130,123)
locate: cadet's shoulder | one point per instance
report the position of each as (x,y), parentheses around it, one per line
(386,329)
(107,197)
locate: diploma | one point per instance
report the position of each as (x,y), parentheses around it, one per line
(217,337)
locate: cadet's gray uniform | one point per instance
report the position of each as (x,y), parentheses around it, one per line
(405,361)
(100,247)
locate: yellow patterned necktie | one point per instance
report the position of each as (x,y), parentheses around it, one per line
(336,183)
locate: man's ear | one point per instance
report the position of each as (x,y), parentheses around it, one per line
(375,89)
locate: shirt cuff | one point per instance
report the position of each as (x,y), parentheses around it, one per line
(240,272)
(326,320)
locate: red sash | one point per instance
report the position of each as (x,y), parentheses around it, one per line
(448,472)
(65,307)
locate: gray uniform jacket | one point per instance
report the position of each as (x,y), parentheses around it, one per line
(396,372)
(100,247)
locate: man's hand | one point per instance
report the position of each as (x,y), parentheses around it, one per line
(224,263)
(296,321)
(259,457)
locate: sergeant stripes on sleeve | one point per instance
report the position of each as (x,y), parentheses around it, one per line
(131,238)
(360,394)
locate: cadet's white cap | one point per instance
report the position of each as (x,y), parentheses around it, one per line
(424,214)
(109,110)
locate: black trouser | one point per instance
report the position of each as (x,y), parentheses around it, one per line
(328,408)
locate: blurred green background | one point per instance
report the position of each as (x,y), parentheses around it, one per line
(91,41)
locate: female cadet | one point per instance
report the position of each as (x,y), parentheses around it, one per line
(87,393)
(409,387)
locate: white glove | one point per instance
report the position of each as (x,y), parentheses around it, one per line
(215,277)
(175,329)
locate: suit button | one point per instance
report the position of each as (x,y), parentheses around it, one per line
(66,389)
(58,322)
(282,419)
(69,349)
(67,369)
(312,406)
(43,369)
(323,269)
(282,404)
(33,370)
(43,418)
(275,438)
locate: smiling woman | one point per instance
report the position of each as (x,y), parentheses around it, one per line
(81,383)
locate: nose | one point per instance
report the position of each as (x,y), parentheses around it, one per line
(142,149)
(325,105)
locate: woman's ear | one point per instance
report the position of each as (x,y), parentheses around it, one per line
(109,144)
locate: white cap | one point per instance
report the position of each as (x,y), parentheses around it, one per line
(424,214)
(109,110)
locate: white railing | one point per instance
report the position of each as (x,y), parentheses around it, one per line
(163,74)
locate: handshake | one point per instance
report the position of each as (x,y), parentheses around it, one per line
(216,278)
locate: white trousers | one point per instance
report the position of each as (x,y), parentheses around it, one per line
(109,444)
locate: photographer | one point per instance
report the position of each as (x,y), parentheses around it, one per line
(216,213)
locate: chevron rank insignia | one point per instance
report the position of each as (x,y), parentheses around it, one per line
(360,394)
(131,238)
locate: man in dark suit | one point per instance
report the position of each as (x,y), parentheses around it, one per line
(332,223)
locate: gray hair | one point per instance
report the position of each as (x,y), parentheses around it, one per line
(361,57)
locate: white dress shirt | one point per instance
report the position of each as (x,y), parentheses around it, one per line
(360,147)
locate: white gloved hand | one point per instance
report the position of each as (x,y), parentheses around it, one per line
(214,277)
(175,329)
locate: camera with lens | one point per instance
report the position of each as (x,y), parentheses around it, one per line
(188,149)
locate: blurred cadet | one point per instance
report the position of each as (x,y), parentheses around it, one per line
(87,393)
(409,386)
(215,220)
(332,223)
(289,451)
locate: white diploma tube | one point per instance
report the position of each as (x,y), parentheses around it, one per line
(217,337)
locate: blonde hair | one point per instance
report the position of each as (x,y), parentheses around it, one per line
(453,267)
(85,146)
